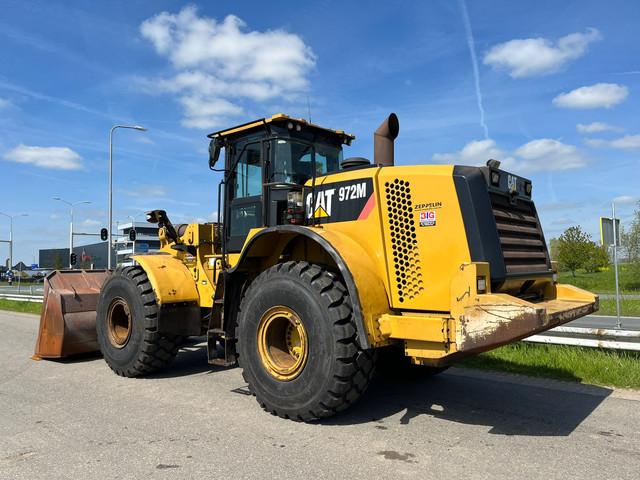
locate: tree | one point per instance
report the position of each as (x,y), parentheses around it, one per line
(574,247)
(630,238)
(553,249)
(598,258)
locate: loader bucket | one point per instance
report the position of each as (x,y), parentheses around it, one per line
(68,318)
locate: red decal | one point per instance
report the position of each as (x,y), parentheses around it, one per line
(366,210)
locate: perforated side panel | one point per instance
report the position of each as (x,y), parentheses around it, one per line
(406,258)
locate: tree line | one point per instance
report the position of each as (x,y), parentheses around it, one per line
(575,250)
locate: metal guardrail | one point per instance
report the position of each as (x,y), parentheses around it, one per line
(590,337)
(22,297)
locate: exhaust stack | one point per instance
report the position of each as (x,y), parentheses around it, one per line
(383,139)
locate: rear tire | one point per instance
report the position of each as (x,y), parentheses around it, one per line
(302,314)
(126,325)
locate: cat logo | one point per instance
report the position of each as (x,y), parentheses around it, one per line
(324,200)
(512,183)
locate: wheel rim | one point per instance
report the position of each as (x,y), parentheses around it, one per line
(119,322)
(282,343)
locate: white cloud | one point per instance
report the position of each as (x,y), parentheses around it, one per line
(539,56)
(596,127)
(62,158)
(219,64)
(147,191)
(600,95)
(144,139)
(550,154)
(538,155)
(628,142)
(626,200)
(4,103)
(596,142)
(476,152)
(89,222)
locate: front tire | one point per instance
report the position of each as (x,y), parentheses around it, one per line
(297,343)
(126,325)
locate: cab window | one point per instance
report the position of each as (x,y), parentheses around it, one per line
(248,179)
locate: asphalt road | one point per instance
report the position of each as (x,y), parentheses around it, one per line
(76,419)
(606,321)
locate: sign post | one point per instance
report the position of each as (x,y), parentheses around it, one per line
(610,236)
(615,261)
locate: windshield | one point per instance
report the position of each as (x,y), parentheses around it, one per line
(294,161)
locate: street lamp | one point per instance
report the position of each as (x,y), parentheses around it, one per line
(71,205)
(11,217)
(132,127)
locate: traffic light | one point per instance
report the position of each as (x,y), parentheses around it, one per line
(132,235)
(74,259)
(104,234)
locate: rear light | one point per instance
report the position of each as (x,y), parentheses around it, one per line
(481,286)
(528,188)
(495,178)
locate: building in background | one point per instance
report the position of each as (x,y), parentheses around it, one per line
(88,256)
(94,256)
(146,241)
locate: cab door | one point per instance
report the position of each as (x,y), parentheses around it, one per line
(244,196)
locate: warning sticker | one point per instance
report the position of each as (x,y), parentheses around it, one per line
(427,218)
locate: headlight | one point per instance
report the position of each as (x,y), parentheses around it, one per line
(528,188)
(495,178)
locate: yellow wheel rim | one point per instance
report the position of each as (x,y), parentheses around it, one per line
(282,343)
(119,324)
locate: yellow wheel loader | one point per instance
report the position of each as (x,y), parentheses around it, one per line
(317,264)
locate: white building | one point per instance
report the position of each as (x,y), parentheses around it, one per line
(146,241)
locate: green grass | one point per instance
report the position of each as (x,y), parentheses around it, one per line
(24,307)
(604,281)
(615,368)
(629,308)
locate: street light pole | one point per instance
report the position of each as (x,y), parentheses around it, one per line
(71,205)
(132,127)
(11,235)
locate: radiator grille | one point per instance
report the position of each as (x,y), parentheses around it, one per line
(521,238)
(404,246)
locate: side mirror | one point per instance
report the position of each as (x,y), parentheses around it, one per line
(214,152)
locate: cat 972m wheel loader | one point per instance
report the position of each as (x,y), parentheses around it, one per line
(319,262)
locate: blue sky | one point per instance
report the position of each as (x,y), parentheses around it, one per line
(558,83)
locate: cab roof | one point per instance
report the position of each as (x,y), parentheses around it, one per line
(280,118)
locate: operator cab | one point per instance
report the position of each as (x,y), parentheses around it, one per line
(267,163)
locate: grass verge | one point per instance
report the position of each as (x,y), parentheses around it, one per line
(604,281)
(629,308)
(24,307)
(614,368)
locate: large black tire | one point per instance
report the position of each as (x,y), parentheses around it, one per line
(336,372)
(134,349)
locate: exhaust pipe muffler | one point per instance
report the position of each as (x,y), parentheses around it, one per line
(383,139)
